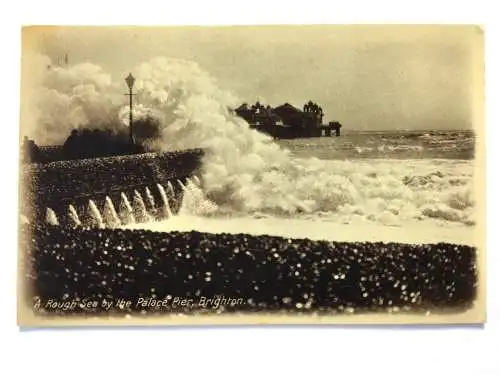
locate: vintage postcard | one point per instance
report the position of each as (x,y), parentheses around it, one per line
(251,174)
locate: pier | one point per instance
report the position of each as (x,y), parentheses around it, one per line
(286,121)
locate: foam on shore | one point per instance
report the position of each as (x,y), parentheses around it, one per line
(320,229)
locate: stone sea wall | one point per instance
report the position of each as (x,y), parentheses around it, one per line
(57,185)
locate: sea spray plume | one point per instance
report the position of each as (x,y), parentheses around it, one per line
(190,108)
(64,98)
(195,114)
(34,69)
(58,99)
(194,201)
(245,171)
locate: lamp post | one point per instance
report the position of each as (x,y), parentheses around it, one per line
(130,80)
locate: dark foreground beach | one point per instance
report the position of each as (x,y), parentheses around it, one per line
(103,271)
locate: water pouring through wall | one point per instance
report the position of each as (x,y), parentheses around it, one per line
(172,197)
(196,180)
(141,213)
(194,201)
(181,185)
(170,190)
(73,216)
(151,199)
(51,217)
(166,205)
(95,215)
(126,212)
(110,214)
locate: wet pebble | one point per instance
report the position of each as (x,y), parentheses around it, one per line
(276,274)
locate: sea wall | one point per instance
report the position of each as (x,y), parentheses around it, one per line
(57,185)
(153,272)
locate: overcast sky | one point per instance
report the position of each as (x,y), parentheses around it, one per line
(366,77)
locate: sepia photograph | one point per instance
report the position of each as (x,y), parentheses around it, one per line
(281,174)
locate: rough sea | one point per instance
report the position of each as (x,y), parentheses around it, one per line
(404,186)
(451,144)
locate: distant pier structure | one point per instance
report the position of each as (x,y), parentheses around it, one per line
(287,121)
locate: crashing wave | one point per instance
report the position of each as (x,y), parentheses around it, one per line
(244,171)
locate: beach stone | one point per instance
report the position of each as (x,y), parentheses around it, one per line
(275,274)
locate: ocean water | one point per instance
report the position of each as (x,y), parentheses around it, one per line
(331,177)
(376,186)
(455,145)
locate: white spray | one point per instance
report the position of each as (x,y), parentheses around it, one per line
(73,216)
(151,199)
(51,217)
(141,213)
(166,205)
(110,215)
(95,215)
(126,211)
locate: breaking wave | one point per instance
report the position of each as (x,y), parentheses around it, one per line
(244,172)
(382,191)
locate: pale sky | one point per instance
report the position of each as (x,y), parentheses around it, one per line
(366,77)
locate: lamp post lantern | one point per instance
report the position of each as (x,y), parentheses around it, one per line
(130,80)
